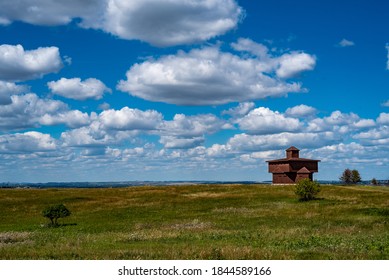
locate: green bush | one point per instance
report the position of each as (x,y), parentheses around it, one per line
(55,212)
(307,189)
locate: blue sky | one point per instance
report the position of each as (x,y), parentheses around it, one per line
(112,90)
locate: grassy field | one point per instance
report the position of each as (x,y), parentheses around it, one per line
(197,222)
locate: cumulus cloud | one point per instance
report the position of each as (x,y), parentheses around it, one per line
(189,126)
(386,104)
(376,136)
(29,111)
(173,142)
(300,111)
(351,154)
(294,63)
(346,43)
(209,76)
(188,131)
(8,89)
(239,111)
(161,23)
(265,121)
(27,142)
(72,119)
(340,122)
(49,12)
(25,110)
(79,90)
(112,127)
(173,22)
(248,45)
(246,142)
(285,66)
(17,64)
(130,119)
(95,136)
(383,118)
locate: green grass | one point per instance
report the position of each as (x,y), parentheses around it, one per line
(197,222)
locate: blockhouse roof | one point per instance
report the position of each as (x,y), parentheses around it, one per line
(292,159)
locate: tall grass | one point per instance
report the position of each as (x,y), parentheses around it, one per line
(197,222)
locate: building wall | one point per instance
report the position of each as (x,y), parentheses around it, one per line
(301,176)
(279,167)
(290,177)
(310,165)
(284,178)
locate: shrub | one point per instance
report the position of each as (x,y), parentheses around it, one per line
(307,189)
(55,212)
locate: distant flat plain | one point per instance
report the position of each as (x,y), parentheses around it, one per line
(206,221)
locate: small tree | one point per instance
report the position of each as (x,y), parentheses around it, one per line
(355,177)
(374,181)
(55,212)
(346,176)
(307,189)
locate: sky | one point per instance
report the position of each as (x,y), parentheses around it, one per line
(168,90)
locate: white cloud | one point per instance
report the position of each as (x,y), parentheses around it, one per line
(27,142)
(113,127)
(79,90)
(364,123)
(239,111)
(28,111)
(17,64)
(210,77)
(219,151)
(301,111)
(386,104)
(72,119)
(265,121)
(94,135)
(104,106)
(285,66)
(8,89)
(248,45)
(294,63)
(25,111)
(349,154)
(188,131)
(173,22)
(48,12)
(189,126)
(341,122)
(346,43)
(173,142)
(130,119)
(383,118)
(377,136)
(161,23)
(244,142)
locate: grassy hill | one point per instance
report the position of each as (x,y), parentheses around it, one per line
(197,222)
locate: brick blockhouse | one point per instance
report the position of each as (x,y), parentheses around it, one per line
(291,169)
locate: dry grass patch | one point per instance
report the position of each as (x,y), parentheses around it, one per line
(235,210)
(207,195)
(14,237)
(192,225)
